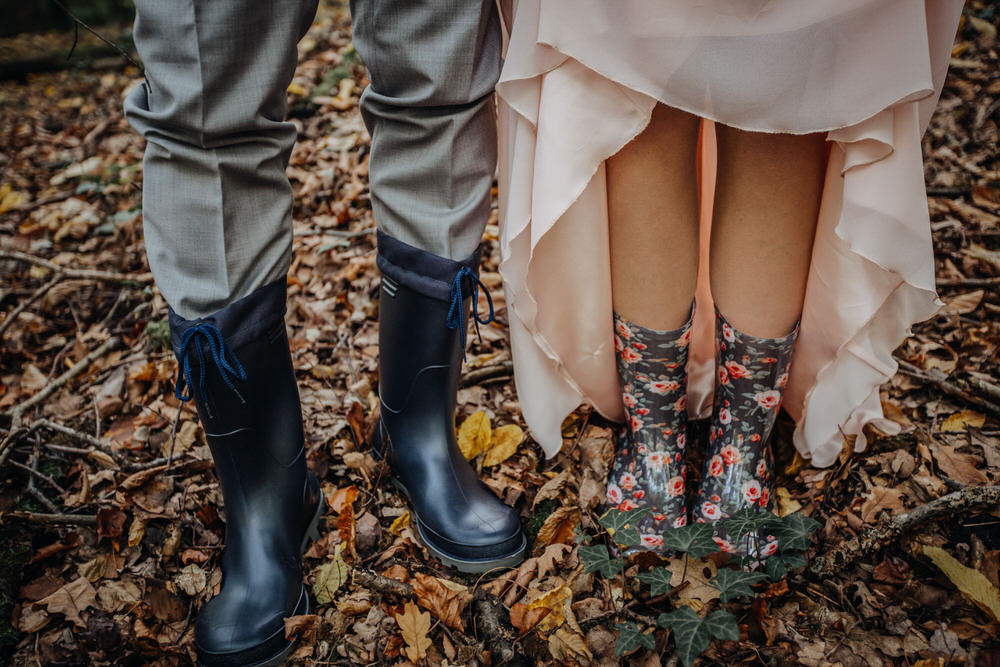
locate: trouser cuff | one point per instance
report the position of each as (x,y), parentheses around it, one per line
(419,270)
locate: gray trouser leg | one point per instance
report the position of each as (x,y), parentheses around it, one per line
(430,110)
(217,207)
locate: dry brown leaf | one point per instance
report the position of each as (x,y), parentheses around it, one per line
(474,434)
(70,600)
(698,591)
(973,583)
(552,488)
(525,619)
(347,529)
(569,647)
(962,304)
(504,443)
(560,526)
(343,496)
(414,626)
(960,467)
(881,498)
(553,555)
(191,579)
(554,600)
(445,599)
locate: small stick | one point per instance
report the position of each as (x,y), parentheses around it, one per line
(882,535)
(54,518)
(49,389)
(36,295)
(96,443)
(40,475)
(382,584)
(969,282)
(87,274)
(938,378)
(474,377)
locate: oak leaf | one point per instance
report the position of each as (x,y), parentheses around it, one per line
(414,626)
(70,600)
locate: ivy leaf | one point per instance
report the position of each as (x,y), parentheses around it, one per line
(695,540)
(793,531)
(597,559)
(782,562)
(621,524)
(630,638)
(692,633)
(744,521)
(736,583)
(658,580)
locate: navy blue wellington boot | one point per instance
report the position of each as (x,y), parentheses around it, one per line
(238,369)
(423,307)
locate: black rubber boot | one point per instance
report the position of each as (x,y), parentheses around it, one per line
(423,307)
(238,368)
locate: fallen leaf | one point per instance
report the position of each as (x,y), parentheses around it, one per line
(786,504)
(343,496)
(881,498)
(503,444)
(525,619)
(70,600)
(960,467)
(553,600)
(443,598)
(559,527)
(191,579)
(330,577)
(400,522)
(569,647)
(553,555)
(414,626)
(973,583)
(474,434)
(962,304)
(699,571)
(961,421)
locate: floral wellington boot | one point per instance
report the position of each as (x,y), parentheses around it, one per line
(649,463)
(751,374)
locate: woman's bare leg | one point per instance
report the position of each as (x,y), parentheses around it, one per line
(767,199)
(653,213)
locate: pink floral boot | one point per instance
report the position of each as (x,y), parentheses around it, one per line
(649,468)
(738,472)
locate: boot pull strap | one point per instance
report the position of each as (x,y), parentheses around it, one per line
(222,355)
(456,316)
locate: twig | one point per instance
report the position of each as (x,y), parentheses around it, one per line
(40,475)
(969,282)
(86,274)
(382,584)
(987,388)
(938,378)
(36,517)
(19,410)
(495,631)
(96,443)
(474,377)
(882,535)
(35,296)
(96,34)
(38,203)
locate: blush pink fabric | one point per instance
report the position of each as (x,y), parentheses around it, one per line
(580,80)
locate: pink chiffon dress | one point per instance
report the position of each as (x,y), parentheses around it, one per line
(580,80)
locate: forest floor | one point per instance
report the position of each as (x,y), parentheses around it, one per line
(107,552)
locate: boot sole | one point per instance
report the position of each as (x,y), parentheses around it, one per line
(312,534)
(468,566)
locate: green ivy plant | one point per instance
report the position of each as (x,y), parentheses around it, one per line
(693,632)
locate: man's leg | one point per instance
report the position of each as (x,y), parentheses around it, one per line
(217,221)
(431,114)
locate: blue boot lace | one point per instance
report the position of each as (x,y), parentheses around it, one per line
(456,314)
(225,360)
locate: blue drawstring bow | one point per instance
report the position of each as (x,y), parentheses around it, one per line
(222,354)
(456,314)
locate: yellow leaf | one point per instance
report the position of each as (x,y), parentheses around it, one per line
(296,89)
(786,504)
(474,435)
(973,583)
(401,522)
(504,443)
(414,625)
(961,421)
(330,577)
(553,601)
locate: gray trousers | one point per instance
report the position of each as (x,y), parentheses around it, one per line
(217,205)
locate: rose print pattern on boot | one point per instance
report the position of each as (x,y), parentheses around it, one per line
(649,467)
(751,374)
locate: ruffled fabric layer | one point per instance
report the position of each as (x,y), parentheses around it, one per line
(580,81)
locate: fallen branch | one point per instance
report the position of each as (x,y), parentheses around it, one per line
(86,274)
(936,377)
(40,475)
(17,413)
(496,633)
(96,443)
(474,377)
(381,584)
(35,296)
(36,517)
(881,536)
